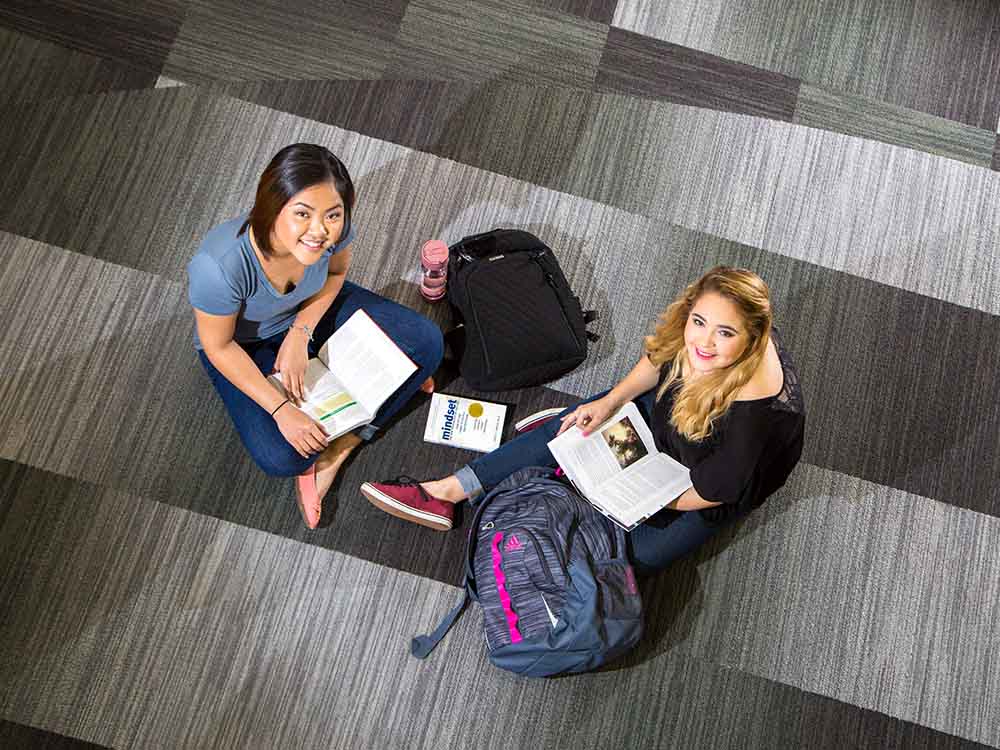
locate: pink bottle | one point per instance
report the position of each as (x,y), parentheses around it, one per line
(434,259)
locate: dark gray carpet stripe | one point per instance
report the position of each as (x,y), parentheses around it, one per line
(35,69)
(595,10)
(237,41)
(996,154)
(138,34)
(15,736)
(878,121)
(635,64)
(488,39)
(148,213)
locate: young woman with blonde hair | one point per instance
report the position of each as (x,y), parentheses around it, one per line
(720,395)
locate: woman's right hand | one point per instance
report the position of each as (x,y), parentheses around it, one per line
(298,428)
(590,416)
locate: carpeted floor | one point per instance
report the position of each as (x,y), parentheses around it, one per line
(158,591)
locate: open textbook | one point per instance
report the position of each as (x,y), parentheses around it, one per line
(357,369)
(618,469)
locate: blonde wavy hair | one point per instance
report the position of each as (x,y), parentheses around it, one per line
(702,401)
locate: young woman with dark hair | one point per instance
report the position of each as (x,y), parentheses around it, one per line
(268,289)
(720,395)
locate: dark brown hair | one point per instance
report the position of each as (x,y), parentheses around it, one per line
(292,170)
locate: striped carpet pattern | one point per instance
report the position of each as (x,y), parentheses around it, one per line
(158,591)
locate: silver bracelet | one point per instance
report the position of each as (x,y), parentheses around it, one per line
(305,328)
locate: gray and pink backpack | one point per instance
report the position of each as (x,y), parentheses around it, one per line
(552,578)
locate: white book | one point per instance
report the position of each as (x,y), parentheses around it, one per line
(618,469)
(465,423)
(356,370)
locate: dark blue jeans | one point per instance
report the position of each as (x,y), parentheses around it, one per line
(419,338)
(652,545)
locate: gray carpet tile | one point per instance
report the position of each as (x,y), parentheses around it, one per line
(596,10)
(35,69)
(918,221)
(235,41)
(14,736)
(134,624)
(487,39)
(872,596)
(996,155)
(638,65)
(138,34)
(878,121)
(893,52)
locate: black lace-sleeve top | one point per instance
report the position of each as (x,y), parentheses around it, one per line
(752,449)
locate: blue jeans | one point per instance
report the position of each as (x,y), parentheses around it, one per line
(418,337)
(652,545)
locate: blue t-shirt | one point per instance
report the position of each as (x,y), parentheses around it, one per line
(225,277)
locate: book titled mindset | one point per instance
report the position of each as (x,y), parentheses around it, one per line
(465,422)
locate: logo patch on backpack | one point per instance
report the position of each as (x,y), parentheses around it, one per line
(513,544)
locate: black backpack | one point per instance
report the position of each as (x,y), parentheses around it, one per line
(520,323)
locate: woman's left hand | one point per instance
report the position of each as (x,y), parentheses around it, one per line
(293,356)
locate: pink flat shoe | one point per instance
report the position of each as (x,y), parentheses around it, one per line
(310,503)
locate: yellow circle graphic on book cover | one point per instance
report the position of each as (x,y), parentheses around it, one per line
(475,410)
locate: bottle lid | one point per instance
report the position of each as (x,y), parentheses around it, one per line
(434,253)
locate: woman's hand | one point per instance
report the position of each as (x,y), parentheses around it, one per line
(305,434)
(591,415)
(293,356)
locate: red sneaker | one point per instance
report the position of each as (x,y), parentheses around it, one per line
(406,499)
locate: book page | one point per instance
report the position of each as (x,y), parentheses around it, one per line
(645,487)
(366,361)
(618,443)
(326,400)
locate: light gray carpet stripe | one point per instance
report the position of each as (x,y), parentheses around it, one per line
(913,220)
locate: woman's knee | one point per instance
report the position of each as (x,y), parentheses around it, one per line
(427,343)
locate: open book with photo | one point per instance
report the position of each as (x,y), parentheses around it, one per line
(356,370)
(618,469)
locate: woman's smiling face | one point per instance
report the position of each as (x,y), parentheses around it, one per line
(310,222)
(715,334)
